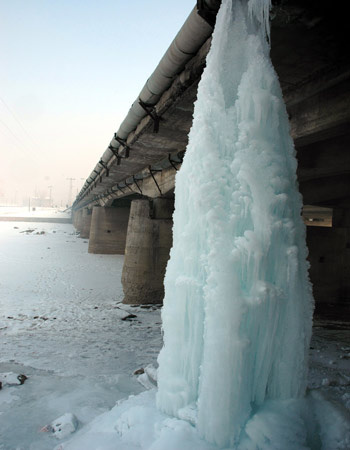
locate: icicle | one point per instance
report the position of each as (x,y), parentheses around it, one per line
(260,10)
(238,308)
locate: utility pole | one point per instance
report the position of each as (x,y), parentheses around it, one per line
(70,190)
(50,198)
(79,188)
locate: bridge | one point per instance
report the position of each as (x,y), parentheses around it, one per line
(126,203)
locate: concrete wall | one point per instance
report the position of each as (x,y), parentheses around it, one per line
(329,256)
(147,250)
(108,230)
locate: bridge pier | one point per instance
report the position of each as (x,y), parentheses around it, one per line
(329,256)
(85,223)
(148,244)
(77,219)
(108,230)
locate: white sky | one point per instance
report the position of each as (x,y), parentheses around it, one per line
(70,70)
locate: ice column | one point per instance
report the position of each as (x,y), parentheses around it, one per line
(238,307)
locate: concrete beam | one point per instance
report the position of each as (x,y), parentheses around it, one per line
(316,216)
(163,183)
(108,230)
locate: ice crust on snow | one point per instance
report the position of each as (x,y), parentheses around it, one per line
(238,307)
(64,425)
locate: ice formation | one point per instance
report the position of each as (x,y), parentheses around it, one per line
(238,305)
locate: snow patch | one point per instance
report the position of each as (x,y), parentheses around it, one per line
(11,379)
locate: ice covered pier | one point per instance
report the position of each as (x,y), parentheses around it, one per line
(126,204)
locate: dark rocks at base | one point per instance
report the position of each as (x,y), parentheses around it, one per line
(129,317)
(22,378)
(11,379)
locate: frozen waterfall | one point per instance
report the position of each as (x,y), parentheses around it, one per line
(238,306)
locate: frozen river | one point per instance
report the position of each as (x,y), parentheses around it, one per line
(60,325)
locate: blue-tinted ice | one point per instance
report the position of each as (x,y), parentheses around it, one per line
(238,305)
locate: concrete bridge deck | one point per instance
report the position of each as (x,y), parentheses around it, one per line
(313,66)
(308,51)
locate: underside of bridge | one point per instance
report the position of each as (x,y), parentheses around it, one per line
(308,51)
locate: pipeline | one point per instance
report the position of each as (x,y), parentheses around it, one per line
(197,28)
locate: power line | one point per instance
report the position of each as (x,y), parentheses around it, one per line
(20,144)
(19,122)
(23,143)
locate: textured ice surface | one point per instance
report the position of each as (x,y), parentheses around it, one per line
(238,306)
(136,424)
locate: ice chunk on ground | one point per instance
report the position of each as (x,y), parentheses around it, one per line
(123,315)
(63,426)
(147,376)
(145,381)
(152,372)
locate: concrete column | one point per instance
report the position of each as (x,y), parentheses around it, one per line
(77,220)
(108,230)
(329,256)
(85,223)
(148,244)
(74,217)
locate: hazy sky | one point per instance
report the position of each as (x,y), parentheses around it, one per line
(70,70)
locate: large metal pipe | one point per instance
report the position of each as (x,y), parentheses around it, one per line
(192,35)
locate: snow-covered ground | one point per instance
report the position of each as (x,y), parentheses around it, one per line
(35,212)
(61,326)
